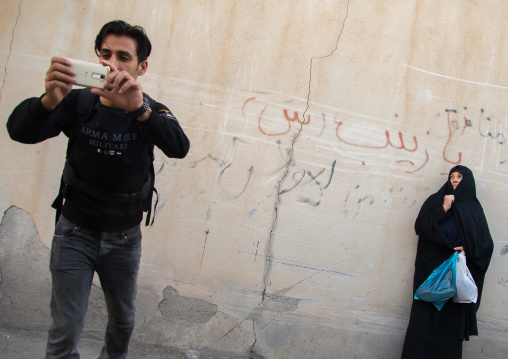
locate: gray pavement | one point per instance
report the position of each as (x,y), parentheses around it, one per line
(30,343)
(23,343)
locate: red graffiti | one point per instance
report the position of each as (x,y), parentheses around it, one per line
(412,163)
(387,144)
(287,119)
(448,142)
(388,141)
(408,144)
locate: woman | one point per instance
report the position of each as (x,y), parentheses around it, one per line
(451,219)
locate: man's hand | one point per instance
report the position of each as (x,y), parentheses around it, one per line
(447,203)
(121,90)
(58,82)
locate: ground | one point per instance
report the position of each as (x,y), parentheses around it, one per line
(22,343)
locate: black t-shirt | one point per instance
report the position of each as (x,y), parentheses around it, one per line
(109,151)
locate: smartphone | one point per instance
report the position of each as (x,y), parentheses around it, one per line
(89,74)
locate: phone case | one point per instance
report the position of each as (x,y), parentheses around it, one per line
(89,74)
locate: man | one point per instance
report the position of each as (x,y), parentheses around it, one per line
(106,185)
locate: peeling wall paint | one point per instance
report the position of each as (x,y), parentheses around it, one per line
(317,130)
(189,309)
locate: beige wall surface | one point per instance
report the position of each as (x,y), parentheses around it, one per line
(317,130)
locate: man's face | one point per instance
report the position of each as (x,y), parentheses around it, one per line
(120,51)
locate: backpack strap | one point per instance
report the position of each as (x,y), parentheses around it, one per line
(148,204)
(58,202)
(85,104)
(70,179)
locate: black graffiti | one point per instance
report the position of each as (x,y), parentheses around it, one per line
(498,137)
(301,175)
(482,122)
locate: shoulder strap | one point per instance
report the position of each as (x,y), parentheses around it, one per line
(85,103)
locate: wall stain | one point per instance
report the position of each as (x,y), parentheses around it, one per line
(281,303)
(174,306)
(504,251)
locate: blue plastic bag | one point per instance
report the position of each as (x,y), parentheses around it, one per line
(440,286)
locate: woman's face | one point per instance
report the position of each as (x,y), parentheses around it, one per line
(455,179)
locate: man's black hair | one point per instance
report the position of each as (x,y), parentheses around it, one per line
(121,28)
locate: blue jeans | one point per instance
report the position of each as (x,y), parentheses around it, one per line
(76,254)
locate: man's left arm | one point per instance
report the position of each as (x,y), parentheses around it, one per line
(165,132)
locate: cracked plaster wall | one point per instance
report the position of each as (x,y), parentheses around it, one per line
(317,130)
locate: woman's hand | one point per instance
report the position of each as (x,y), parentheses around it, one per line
(447,203)
(461,249)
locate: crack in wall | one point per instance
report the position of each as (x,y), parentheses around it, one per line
(224,336)
(10,49)
(290,162)
(322,57)
(251,349)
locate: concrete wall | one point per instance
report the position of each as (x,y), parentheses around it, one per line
(317,130)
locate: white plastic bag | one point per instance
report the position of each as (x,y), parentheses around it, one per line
(467,292)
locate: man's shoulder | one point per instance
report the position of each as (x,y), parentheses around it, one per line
(159,108)
(150,99)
